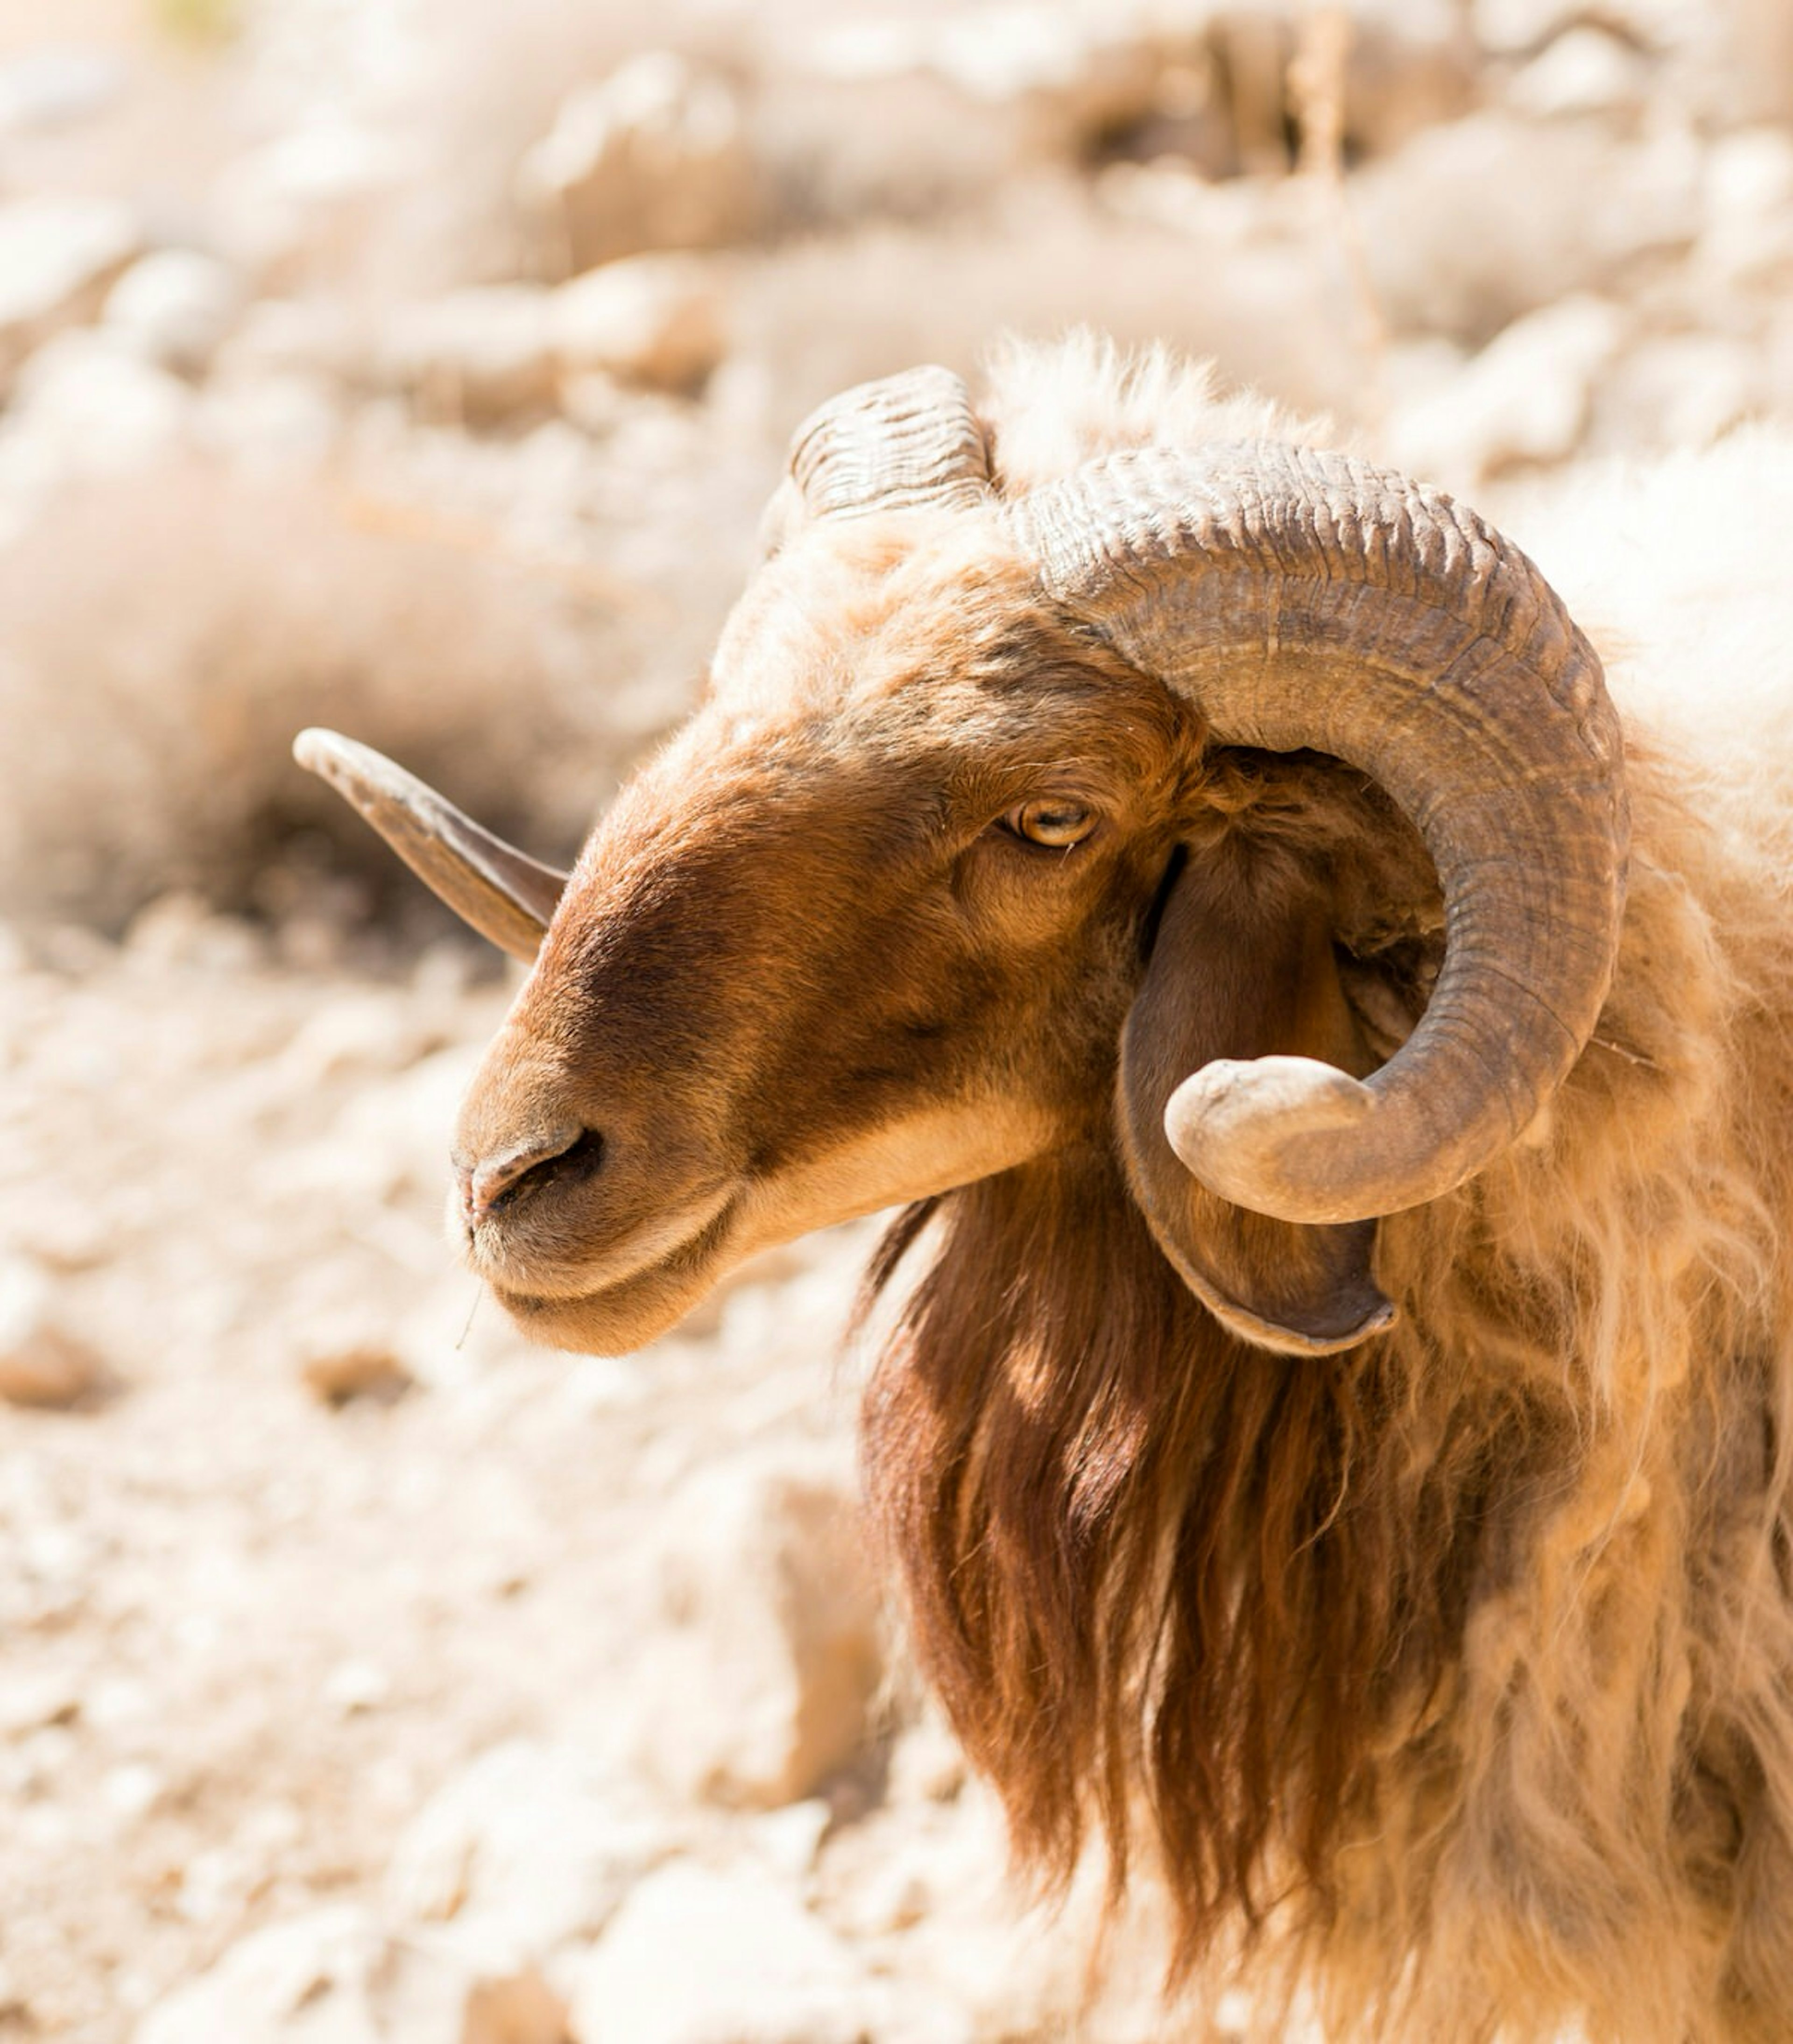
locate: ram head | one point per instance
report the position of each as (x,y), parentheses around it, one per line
(1250,810)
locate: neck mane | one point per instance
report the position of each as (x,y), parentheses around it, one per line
(1167,1586)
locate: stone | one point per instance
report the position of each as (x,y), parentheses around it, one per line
(1751,59)
(1409,65)
(699,1956)
(1524,399)
(30,1703)
(764,1682)
(1676,390)
(338,1976)
(1520,28)
(312,337)
(57,86)
(1078,76)
(302,203)
(476,357)
(182,929)
(355,1687)
(1747,235)
(529,1847)
(84,405)
(59,256)
(654,156)
(652,320)
(1464,230)
(276,423)
(174,308)
(366,1371)
(1585,72)
(41,1362)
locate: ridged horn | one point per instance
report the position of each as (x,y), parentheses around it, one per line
(910,442)
(1309,600)
(505,895)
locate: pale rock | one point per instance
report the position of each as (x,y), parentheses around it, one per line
(312,337)
(1747,237)
(58,86)
(1750,60)
(653,320)
(1080,76)
(368,1371)
(286,424)
(33,1703)
(1465,228)
(213,1881)
(1005,52)
(1207,81)
(83,405)
(303,201)
(174,308)
(1677,390)
(789,1840)
(946,1864)
(1521,28)
(599,1385)
(698,1956)
(132,1790)
(764,1682)
(354,1687)
(58,258)
(927,1762)
(1585,72)
(476,357)
(1409,65)
(41,1363)
(339,1976)
(1524,398)
(116,1701)
(654,156)
(352,1038)
(529,1847)
(181,928)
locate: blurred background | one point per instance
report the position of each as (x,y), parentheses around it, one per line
(421,368)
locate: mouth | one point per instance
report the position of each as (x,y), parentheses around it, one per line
(608,1300)
(658,1286)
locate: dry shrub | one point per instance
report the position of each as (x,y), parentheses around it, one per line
(163,637)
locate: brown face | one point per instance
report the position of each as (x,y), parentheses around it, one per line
(867,930)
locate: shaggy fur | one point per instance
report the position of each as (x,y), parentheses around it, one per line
(1451,1677)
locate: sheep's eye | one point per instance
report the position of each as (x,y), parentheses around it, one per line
(1052,820)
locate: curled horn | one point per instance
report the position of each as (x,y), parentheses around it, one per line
(1306,600)
(906,443)
(505,895)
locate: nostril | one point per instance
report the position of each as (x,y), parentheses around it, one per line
(567,1156)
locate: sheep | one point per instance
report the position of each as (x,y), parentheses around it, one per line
(1338,1451)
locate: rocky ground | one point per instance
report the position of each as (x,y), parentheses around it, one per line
(363,1674)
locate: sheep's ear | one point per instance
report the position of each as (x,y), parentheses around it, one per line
(1242,967)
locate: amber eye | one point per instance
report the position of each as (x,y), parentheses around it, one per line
(1053,820)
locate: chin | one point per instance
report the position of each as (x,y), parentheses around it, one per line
(627,1314)
(613,1322)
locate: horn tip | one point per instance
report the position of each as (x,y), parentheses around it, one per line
(315,748)
(1234,1121)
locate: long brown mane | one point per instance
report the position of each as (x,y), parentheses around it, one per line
(1166,1583)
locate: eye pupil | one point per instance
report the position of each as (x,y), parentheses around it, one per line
(1052,820)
